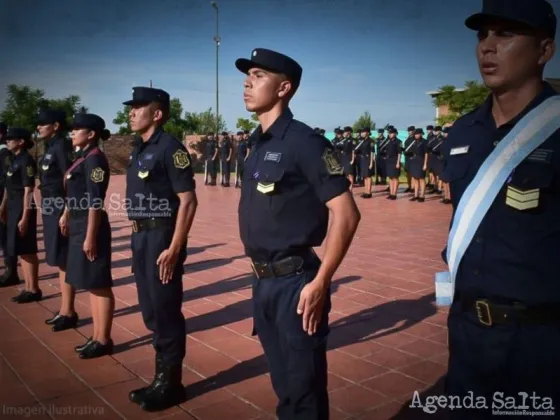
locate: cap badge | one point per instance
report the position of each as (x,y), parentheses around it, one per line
(254,53)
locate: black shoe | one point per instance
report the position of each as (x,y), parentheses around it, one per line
(414,199)
(166,391)
(96,349)
(9,281)
(18,297)
(52,321)
(65,322)
(137,395)
(82,347)
(421,199)
(28,297)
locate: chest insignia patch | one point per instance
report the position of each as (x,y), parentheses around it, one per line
(522,200)
(265,188)
(272,157)
(97,175)
(143,174)
(181,159)
(332,163)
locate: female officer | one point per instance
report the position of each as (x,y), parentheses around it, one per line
(418,164)
(18,209)
(87,224)
(393,162)
(347,156)
(53,167)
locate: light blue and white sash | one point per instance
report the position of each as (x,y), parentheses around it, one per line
(528,134)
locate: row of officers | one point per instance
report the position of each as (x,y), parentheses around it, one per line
(362,157)
(73,182)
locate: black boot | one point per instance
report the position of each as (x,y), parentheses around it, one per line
(167,390)
(10,276)
(137,395)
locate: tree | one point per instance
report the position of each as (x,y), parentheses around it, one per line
(365,121)
(204,122)
(23,104)
(246,124)
(460,102)
(123,120)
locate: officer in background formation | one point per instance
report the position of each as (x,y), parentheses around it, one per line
(280,221)
(365,151)
(226,149)
(86,223)
(433,186)
(381,174)
(51,126)
(504,334)
(429,132)
(241,156)
(18,210)
(418,164)
(338,142)
(160,170)
(392,157)
(10,276)
(347,155)
(211,154)
(408,143)
(440,153)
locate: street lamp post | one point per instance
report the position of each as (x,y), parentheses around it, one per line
(217,41)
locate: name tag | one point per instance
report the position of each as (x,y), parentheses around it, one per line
(540,156)
(444,289)
(48,156)
(272,157)
(459,150)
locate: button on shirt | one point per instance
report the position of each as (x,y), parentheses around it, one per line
(289,176)
(515,252)
(158,170)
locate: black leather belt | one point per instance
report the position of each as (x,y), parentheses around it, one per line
(489,313)
(149,224)
(283,267)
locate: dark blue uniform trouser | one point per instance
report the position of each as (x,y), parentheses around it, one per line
(297,361)
(508,359)
(226,171)
(211,171)
(160,303)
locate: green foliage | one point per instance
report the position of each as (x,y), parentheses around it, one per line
(246,124)
(204,122)
(460,103)
(24,103)
(123,121)
(364,120)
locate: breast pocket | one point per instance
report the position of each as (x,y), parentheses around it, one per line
(147,169)
(529,186)
(47,163)
(269,179)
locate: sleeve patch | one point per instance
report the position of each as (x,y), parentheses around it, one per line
(333,165)
(181,159)
(97,175)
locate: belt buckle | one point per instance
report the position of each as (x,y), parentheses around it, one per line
(255,271)
(134,226)
(483,312)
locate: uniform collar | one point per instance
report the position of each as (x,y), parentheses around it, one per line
(278,127)
(53,140)
(86,151)
(153,139)
(483,114)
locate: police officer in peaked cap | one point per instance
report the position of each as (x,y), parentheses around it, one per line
(162,203)
(19,211)
(292,181)
(10,276)
(504,335)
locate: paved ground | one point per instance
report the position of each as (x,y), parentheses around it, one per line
(388,339)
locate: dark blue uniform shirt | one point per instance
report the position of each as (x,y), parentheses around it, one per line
(87,183)
(225,147)
(514,254)
(241,150)
(5,162)
(158,170)
(418,149)
(54,164)
(289,176)
(393,148)
(407,148)
(20,174)
(210,149)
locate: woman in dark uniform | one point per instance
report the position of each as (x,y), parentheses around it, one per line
(417,164)
(347,155)
(20,213)
(393,162)
(440,156)
(52,168)
(365,152)
(87,224)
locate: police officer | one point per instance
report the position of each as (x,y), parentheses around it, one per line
(433,186)
(10,276)
(408,143)
(392,159)
(241,155)
(440,153)
(211,153)
(87,225)
(226,149)
(347,156)
(417,165)
(503,323)
(365,152)
(337,142)
(381,177)
(19,212)
(292,180)
(51,124)
(436,159)
(161,192)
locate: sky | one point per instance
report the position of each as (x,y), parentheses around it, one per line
(380,56)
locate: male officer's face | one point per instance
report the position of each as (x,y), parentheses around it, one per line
(143,117)
(264,89)
(509,54)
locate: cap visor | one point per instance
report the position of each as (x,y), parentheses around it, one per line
(477,21)
(133,102)
(244,65)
